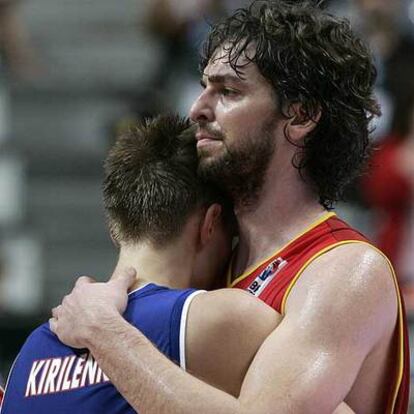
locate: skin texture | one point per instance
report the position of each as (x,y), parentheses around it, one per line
(218,350)
(340,316)
(311,350)
(232,153)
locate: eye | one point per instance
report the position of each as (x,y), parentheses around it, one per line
(228,92)
(203,84)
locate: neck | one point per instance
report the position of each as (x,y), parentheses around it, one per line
(285,207)
(169,266)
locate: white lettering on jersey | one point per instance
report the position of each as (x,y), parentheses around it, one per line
(62,371)
(31,382)
(51,377)
(66,381)
(54,375)
(89,371)
(77,371)
(43,377)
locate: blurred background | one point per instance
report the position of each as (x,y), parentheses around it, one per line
(73,73)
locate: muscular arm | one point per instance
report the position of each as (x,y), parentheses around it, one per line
(225,328)
(341,307)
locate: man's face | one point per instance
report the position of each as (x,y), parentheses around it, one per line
(237,119)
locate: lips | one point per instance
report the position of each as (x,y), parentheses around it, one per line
(207,141)
(202,136)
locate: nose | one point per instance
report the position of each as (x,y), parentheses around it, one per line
(202,109)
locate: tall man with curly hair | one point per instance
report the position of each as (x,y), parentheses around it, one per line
(283,125)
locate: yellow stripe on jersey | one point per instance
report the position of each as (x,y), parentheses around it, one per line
(253,268)
(390,409)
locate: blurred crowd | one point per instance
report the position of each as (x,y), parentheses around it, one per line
(385,193)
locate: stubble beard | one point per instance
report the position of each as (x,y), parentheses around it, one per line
(240,172)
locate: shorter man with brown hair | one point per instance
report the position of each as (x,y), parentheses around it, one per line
(169,225)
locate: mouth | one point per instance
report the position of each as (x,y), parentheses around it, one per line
(208,139)
(205,141)
(202,136)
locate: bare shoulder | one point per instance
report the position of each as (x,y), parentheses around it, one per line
(356,267)
(225,328)
(350,284)
(227,307)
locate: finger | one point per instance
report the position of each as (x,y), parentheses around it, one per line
(56,311)
(125,278)
(53,325)
(83,280)
(64,301)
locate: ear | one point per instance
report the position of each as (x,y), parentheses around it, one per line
(113,233)
(209,222)
(299,125)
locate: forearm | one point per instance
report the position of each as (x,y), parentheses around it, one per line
(152,384)
(147,379)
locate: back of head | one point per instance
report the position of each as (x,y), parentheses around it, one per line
(151,185)
(313,60)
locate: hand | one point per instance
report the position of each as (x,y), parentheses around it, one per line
(89,307)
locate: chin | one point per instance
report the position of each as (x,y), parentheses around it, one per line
(209,161)
(205,154)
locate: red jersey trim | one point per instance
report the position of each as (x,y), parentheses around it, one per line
(391,406)
(253,268)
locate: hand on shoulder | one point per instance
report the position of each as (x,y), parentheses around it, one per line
(89,307)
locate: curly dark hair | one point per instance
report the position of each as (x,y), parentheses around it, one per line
(313,59)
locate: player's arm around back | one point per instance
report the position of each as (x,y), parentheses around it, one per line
(342,306)
(225,328)
(224,331)
(339,310)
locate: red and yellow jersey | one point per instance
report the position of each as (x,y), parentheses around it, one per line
(274,278)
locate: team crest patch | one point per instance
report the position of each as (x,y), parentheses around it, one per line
(266,276)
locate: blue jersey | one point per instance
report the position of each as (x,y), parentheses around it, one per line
(49,377)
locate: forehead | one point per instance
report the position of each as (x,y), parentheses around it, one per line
(247,71)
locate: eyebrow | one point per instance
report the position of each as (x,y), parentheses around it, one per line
(222,78)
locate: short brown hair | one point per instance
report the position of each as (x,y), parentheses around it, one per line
(151,184)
